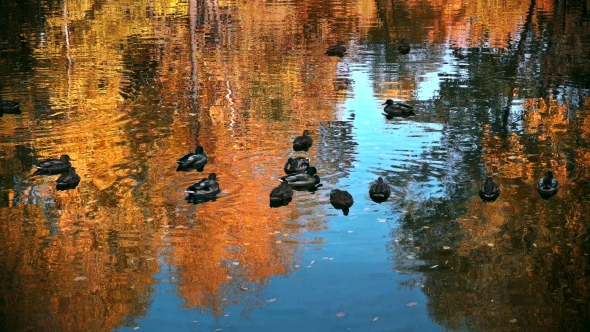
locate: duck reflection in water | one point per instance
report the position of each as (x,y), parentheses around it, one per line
(281,195)
(341,200)
(54,166)
(308,181)
(489,192)
(303,142)
(190,161)
(379,191)
(548,186)
(204,190)
(69,180)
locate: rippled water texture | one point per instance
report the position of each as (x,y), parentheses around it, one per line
(125,88)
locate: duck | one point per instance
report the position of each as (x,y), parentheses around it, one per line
(403,47)
(54,166)
(397,109)
(309,179)
(69,180)
(489,191)
(336,50)
(302,142)
(379,191)
(548,186)
(203,190)
(7,106)
(196,160)
(341,200)
(296,165)
(281,195)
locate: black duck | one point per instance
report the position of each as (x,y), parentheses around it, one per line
(281,195)
(489,191)
(403,47)
(548,186)
(379,191)
(307,180)
(336,50)
(296,165)
(54,166)
(397,109)
(341,200)
(196,160)
(204,190)
(303,142)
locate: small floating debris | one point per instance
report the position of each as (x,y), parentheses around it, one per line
(375,319)
(446,247)
(411,304)
(340,314)
(271,300)
(80,278)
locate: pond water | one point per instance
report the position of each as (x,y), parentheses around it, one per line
(499,88)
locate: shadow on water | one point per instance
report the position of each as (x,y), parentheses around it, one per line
(125,89)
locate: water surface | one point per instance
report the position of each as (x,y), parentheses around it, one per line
(125,88)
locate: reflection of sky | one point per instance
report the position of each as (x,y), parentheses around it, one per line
(352,272)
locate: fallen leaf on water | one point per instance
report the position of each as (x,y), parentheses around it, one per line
(271,300)
(136,328)
(506,204)
(433,266)
(311,262)
(340,314)
(446,247)
(326,258)
(411,304)
(374,319)
(297,266)
(80,278)
(58,113)
(181,227)
(236,263)
(278,241)
(381,220)
(218,330)
(490,244)
(513,320)
(350,231)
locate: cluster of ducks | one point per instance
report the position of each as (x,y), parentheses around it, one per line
(68,178)
(547,187)
(302,176)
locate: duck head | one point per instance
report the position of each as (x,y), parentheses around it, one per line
(199,150)
(388,102)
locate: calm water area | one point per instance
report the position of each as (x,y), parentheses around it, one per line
(500,88)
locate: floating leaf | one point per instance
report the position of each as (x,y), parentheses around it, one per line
(340,314)
(296,266)
(411,304)
(278,241)
(433,266)
(374,319)
(80,278)
(381,220)
(311,262)
(490,244)
(326,258)
(350,231)
(446,247)
(136,328)
(271,300)
(513,320)
(236,263)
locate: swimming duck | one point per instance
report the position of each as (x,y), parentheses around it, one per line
(341,200)
(489,191)
(7,106)
(54,166)
(196,160)
(403,47)
(397,109)
(548,186)
(309,179)
(379,191)
(336,50)
(281,195)
(69,180)
(296,165)
(302,142)
(203,190)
